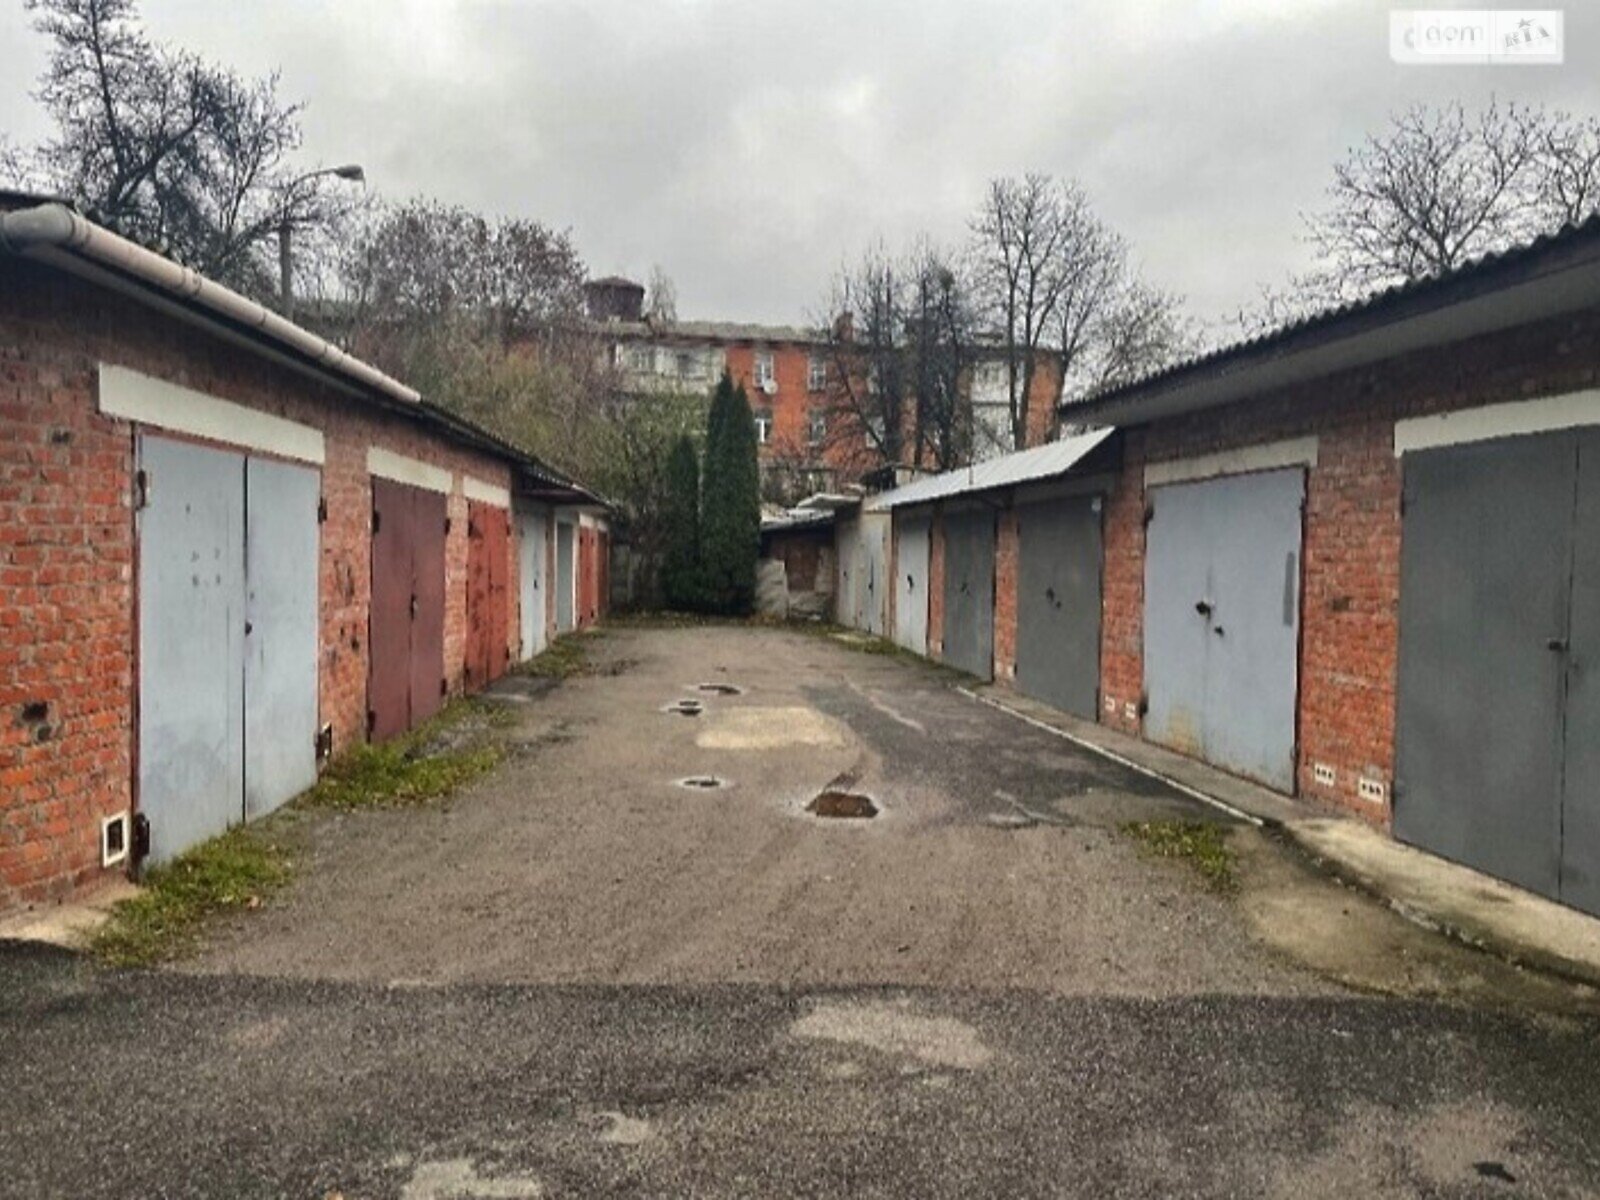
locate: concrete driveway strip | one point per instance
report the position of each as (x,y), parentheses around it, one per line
(165,1086)
(582,978)
(584,861)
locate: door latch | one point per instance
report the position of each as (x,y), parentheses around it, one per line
(1556,644)
(1203,607)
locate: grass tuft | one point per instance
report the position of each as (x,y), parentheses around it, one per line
(431,761)
(235,871)
(566,658)
(1202,844)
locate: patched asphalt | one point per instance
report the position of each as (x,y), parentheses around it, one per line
(579,979)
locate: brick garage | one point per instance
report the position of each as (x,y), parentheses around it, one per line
(68,553)
(1510,348)
(1352,536)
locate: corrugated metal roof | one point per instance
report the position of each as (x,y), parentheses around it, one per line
(1025,466)
(1373,305)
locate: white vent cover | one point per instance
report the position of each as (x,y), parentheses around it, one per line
(114,839)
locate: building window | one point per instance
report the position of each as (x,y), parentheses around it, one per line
(817,374)
(763,425)
(641,358)
(688,364)
(766,377)
(817,426)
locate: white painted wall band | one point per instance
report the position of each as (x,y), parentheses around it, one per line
(485,493)
(1294,452)
(386,464)
(1514,419)
(133,396)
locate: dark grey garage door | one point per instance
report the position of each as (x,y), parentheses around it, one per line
(1222,621)
(969,592)
(1058,603)
(1496,759)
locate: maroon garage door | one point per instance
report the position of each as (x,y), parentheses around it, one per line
(488,598)
(405,680)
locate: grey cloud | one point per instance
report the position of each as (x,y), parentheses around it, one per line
(750,146)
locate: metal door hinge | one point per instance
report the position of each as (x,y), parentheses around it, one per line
(444,687)
(141,489)
(377,520)
(372,723)
(141,838)
(322,510)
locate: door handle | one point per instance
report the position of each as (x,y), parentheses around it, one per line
(1203,607)
(1556,644)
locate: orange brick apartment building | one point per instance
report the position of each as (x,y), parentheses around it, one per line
(790,376)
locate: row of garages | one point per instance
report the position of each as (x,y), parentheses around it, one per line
(228,553)
(1357,560)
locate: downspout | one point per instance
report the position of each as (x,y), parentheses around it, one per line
(55,234)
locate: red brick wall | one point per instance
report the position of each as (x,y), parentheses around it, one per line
(67,631)
(1352,535)
(1005,595)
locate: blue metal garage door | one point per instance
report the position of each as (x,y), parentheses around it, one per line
(191,643)
(281,633)
(565,578)
(531,527)
(911,584)
(1222,621)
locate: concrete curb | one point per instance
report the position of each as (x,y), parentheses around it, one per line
(1465,905)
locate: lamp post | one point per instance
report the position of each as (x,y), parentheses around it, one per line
(348,171)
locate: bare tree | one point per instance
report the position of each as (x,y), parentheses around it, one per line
(1144,330)
(1566,168)
(1060,290)
(866,344)
(1018,238)
(661,297)
(1442,186)
(941,334)
(174,152)
(423,269)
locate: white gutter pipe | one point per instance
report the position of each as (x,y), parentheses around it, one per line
(56,234)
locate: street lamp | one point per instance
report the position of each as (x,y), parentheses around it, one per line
(350,171)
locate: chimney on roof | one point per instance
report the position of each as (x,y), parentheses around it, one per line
(844,327)
(614,299)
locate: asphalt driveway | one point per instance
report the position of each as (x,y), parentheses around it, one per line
(580,978)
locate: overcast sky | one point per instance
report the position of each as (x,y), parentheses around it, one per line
(752,146)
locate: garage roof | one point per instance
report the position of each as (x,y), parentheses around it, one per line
(49,231)
(1025,466)
(1553,274)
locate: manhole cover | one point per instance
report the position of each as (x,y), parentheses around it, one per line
(719,689)
(684,708)
(702,783)
(849,805)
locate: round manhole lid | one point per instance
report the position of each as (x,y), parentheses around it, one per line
(702,783)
